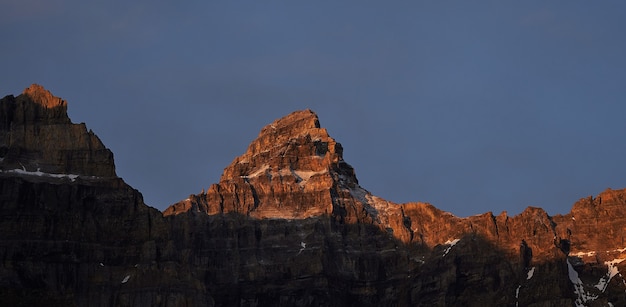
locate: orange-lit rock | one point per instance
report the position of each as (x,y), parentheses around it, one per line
(287,225)
(290,171)
(294,170)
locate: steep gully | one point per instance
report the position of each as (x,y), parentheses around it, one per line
(287,225)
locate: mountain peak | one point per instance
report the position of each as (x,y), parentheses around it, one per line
(37,138)
(292,143)
(297,120)
(299,231)
(43,97)
(293,169)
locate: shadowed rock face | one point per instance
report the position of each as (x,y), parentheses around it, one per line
(287,225)
(37,135)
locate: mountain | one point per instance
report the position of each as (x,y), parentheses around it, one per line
(287,225)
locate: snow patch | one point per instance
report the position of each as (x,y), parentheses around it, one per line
(304,176)
(378,208)
(125,280)
(359,194)
(363,196)
(530,274)
(611,272)
(451,243)
(303,245)
(593,253)
(39,173)
(579,289)
(301,176)
(258,172)
(582,254)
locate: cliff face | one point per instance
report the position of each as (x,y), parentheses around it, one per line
(73,233)
(36,135)
(287,225)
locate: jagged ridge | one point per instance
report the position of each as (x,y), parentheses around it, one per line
(287,225)
(295,170)
(292,170)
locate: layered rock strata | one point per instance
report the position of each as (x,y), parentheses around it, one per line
(36,135)
(287,225)
(71,232)
(295,171)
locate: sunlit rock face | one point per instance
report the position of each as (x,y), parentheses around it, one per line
(287,225)
(292,170)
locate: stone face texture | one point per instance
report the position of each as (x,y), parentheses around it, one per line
(36,134)
(287,225)
(289,171)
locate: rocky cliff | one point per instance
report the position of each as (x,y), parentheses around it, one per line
(287,225)
(36,135)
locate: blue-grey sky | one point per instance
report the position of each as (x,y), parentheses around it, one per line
(473,106)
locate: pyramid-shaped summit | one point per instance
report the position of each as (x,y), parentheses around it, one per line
(294,143)
(293,169)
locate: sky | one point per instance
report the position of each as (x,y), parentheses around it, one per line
(472,106)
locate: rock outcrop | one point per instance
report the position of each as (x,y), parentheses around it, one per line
(36,135)
(287,225)
(72,232)
(295,171)
(288,172)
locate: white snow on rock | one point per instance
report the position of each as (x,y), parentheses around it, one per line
(530,274)
(39,173)
(303,245)
(451,243)
(378,208)
(125,280)
(258,172)
(306,175)
(593,253)
(301,176)
(581,254)
(612,271)
(579,289)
